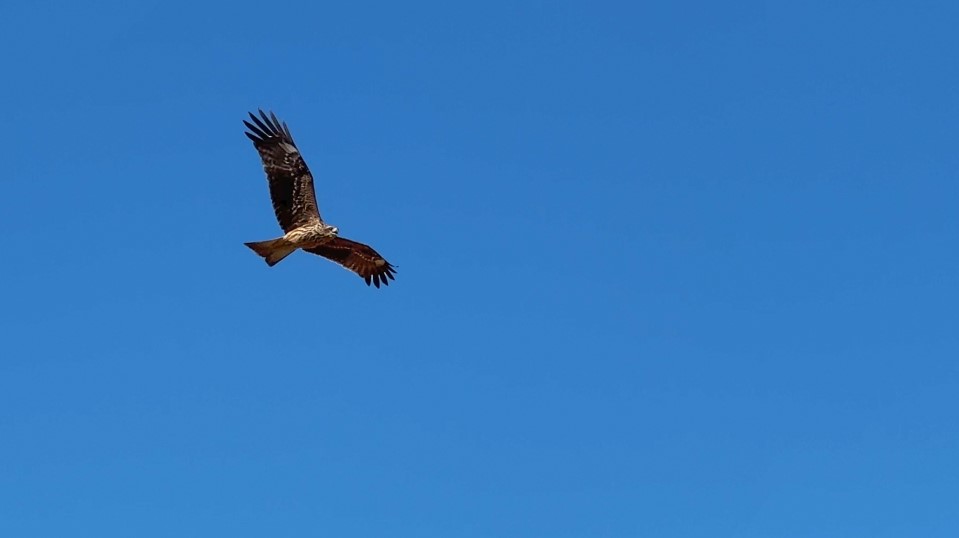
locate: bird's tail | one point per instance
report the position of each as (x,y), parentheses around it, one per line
(273,250)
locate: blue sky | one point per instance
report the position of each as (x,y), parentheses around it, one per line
(665,269)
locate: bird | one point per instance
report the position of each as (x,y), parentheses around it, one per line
(294,203)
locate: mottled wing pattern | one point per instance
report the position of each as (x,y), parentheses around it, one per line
(359,258)
(291,184)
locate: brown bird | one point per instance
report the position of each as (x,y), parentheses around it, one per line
(294,202)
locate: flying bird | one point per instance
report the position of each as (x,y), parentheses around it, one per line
(294,202)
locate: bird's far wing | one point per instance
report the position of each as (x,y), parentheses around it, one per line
(291,184)
(359,258)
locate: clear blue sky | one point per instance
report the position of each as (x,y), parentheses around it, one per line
(665,269)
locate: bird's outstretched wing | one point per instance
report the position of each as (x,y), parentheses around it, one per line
(359,258)
(291,184)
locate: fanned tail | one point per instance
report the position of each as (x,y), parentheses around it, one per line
(273,250)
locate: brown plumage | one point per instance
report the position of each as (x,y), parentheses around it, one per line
(357,257)
(294,203)
(291,184)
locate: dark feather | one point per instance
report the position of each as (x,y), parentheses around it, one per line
(259,134)
(359,258)
(291,184)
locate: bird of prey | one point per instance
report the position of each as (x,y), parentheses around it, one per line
(294,202)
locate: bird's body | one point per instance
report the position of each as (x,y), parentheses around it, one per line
(294,202)
(311,235)
(307,236)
